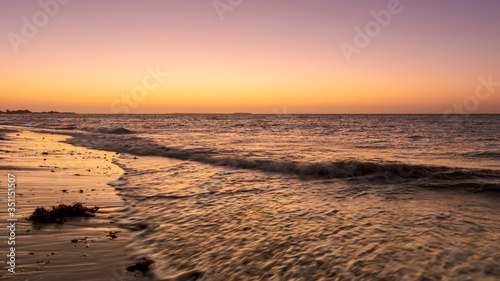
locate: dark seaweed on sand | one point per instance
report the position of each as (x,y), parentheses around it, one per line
(58,213)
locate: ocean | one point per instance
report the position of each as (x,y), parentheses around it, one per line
(303,197)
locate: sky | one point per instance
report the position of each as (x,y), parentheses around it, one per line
(258,56)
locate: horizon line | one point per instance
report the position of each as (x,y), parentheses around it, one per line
(242,113)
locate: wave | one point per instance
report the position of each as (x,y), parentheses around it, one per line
(347,169)
(468,186)
(106,130)
(371,147)
(483,154)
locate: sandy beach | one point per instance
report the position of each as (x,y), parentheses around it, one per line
(47,173)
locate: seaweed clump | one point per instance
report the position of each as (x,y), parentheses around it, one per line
(58,214)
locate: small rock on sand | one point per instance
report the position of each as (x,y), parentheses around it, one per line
(141,266)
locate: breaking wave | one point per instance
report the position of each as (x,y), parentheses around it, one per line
(346,169)
(105,130)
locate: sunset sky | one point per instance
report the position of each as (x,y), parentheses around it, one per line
(257,56)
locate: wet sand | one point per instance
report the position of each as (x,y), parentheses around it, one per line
(47,173)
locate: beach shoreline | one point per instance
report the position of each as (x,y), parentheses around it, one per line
(219,221)
(48,172)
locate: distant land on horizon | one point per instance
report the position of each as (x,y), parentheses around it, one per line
(25,111)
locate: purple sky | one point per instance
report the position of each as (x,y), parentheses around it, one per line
(262,55)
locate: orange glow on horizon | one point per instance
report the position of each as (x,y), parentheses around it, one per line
(254,61)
